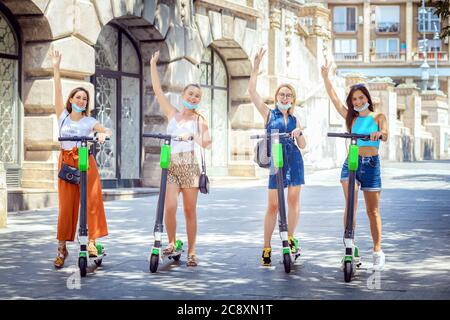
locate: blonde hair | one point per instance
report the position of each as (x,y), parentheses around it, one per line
(294,95)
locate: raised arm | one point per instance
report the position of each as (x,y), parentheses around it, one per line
(338,104)
(167,108)
(254,96)
(59,103)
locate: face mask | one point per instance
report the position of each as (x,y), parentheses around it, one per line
(77,109)
(189,106)
(364,107)
(284,106)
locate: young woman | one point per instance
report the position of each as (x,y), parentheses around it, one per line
(281,119)
(360,117)
(184,172)
(74,120)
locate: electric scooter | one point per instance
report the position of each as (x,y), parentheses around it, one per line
(277,160)
(84,261)
(349,262)
(156,255)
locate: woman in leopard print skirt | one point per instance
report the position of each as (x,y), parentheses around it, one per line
(184,172)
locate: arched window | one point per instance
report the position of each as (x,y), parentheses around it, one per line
(9,100)
(214,83)
(117,84)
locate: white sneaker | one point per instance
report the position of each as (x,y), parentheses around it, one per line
(379,260)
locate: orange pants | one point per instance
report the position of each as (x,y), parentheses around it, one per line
(69,201)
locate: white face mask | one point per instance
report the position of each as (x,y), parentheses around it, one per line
(284,106)
(364,107)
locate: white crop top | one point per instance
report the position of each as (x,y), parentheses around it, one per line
(83,127)
(177,129)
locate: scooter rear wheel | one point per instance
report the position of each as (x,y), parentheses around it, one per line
(82,264)
(348,271)
(98,263)
(154,261)
(287,262)
(177,257)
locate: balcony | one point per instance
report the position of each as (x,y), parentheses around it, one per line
(441,56)
(344,27)
(388,27)
(388,56)
(350,56)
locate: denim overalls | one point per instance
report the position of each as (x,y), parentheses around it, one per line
(293,169)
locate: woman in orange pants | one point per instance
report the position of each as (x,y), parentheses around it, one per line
(74,120)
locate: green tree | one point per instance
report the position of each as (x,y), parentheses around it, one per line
(443,11)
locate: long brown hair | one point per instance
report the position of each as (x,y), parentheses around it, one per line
(86,112)
(351,113)
(294,96)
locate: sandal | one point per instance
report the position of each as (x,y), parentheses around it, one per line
(92,249)
(170,249)
(61,257)
(192,260)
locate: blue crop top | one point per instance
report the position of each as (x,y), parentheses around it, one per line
(366,125)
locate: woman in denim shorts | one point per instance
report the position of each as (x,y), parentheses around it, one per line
(281,120)
(361,118)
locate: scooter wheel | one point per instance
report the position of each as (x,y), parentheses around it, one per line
(82,264)
(98,263)
(154,261)
(348,271)
(287,262)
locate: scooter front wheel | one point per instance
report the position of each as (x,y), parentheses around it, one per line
(154,261)
(82,264)
(348,271)
(287,262)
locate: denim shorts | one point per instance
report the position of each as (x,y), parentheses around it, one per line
(293,169)
(368,174)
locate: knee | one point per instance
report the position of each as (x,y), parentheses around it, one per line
(170,209)
(373,212)
(272,208)
(190,212)
(293,202)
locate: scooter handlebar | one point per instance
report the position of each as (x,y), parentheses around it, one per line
(262,136)
(347,135)
(163,136)
(80,138)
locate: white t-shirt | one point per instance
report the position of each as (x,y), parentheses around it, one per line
(83,127)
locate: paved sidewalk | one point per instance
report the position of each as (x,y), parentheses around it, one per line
(415,210)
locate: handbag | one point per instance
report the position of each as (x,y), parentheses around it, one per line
(262,150)
(203,181)
(68,173)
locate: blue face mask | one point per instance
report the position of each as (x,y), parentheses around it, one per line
(364,107)
(284,106)
(189,106)
(77,109)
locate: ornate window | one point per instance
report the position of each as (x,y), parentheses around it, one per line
(117,83)
(9,101)
(214,83)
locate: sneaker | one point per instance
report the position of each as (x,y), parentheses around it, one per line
(266,259)
(293,243)
(379,260)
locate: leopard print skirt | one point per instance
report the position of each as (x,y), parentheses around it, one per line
(184,170)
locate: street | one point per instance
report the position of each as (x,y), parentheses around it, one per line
(415,210)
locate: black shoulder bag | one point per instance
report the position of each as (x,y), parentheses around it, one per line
(203,180)
(68,173)
(262,149)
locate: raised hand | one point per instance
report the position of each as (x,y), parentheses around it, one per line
(258,58)
(56,58)
(325,69)
(155,58)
